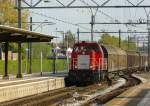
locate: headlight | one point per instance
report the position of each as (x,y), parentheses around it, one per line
(75,66)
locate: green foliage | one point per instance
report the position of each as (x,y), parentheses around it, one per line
(36,66)
(37,48)
(47,65)
(9,16)
(113,40)
(109,40)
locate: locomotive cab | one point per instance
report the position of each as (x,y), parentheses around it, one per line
(86,56)
(86,62)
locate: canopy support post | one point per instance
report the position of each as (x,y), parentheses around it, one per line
(19,75)
(6,61)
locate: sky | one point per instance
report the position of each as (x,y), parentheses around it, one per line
(78,16)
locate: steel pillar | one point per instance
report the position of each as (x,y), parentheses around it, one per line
(6,61)
(30,50)
(119,38)
(137,45)
(19,14)
(63,40)
(92,27)
(54,62)
(78,36)
(19,74)
(148,47)
(128,43)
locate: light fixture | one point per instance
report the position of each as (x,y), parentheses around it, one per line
(47,1)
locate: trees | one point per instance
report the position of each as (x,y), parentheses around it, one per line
(8,14)
(69,40)
(109,40)
(41,47)
(113,40)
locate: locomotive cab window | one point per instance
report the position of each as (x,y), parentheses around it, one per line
(86,48)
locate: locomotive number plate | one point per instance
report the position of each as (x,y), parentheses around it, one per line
(83,61)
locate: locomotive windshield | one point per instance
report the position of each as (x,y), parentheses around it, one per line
(86,48)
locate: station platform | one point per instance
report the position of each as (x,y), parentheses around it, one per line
(33,84)
(39,74)
(135,96)
(47,74)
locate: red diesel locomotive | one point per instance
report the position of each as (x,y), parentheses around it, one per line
(92,62)
(87,63)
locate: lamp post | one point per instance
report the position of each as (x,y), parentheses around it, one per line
(47,1)
(44,23)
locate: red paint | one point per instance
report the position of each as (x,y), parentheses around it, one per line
(86,48)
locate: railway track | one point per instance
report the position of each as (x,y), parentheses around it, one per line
(40,98)
(131,81)
(64,96)
(52,97)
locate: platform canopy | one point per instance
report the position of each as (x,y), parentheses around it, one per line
(12,34)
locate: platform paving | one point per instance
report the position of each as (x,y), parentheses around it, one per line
(33,84)
(135,96)
(35,75)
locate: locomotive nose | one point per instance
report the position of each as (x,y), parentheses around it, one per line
(86,61)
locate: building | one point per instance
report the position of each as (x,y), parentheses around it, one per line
(11,56)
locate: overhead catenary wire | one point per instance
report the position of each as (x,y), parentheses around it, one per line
(60,20)
(103,13)
(118,20)
(108,16)
(74,24)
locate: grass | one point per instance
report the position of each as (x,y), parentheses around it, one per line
(36,66)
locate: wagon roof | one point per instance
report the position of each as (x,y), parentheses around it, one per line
(114,50)
(132,52)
